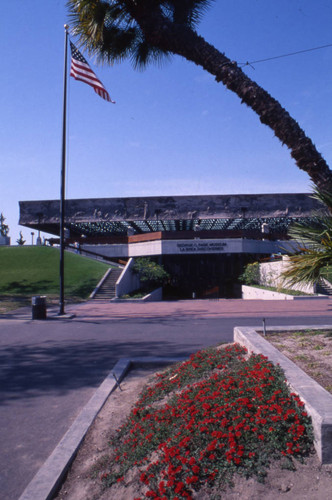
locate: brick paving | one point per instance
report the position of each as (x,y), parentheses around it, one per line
(227,308)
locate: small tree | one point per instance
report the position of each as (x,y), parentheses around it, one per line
(4,229)
(21,240)
(150,273)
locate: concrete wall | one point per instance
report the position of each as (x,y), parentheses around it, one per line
(154,296)
(270,275)
(128,281)
(253,293)
(118,250)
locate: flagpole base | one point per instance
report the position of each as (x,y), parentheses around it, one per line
(61,309)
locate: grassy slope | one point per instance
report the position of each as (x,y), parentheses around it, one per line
(26,271)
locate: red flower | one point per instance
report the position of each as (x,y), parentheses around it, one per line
(179,486)
(162,487)
(143,478)
(191,479)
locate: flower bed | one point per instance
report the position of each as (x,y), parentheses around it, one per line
(206,419)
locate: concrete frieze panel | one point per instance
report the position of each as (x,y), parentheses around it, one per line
(45,214)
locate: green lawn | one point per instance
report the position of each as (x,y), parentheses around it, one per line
(28,271)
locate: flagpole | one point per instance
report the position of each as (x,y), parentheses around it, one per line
(63,178)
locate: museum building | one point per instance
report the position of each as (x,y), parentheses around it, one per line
(204,242)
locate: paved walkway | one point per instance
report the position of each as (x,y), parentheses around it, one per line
(50,369)
(229,308)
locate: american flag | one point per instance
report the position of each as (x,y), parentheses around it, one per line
(80,70)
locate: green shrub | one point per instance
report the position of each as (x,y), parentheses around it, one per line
(250,275)
(150,273)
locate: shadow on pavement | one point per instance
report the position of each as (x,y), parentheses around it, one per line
(54,367)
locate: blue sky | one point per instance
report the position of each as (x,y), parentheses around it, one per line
(173,130)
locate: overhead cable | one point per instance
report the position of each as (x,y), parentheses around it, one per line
(285,55)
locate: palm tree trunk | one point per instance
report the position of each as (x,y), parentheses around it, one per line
(183,41)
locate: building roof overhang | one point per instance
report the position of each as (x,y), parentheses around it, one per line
(168,213)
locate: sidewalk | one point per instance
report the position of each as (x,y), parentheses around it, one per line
(106,310)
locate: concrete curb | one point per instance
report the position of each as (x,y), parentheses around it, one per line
(318,402)
(62,316)
(48,479)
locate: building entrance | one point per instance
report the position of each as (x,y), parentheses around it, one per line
(204,276)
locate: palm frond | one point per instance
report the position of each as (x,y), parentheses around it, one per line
(145,54)
(311,256)
(109,32)
(325,197)
(187,12)
(310,233)
(105,29)
(307,267)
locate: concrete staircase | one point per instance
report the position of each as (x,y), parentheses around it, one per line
(324,287)
(107,289)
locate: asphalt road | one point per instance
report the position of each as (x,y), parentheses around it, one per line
(50,369)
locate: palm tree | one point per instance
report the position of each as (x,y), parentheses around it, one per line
(147,30)
(311,258)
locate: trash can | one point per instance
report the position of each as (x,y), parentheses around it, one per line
(38,307)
